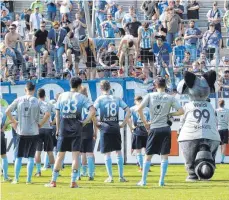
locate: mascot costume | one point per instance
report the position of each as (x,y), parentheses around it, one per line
(199,138)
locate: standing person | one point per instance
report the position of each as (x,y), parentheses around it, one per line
(79,25)
(223,122)
(132,27)
(108,106)
(140,133)
(89,135)
(226,24)
(35,19)
(9,4)
(109,27)
(56,46)
(119,15)
(101,10)
(35,4)
(45,139)
(27,19)
(27,128)
(128,17)
(20,24)
(69,127)
(159,139)
(51,9)
(65,8)
(193,11)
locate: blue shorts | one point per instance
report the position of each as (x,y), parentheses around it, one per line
(159,141)
(110,142)
(68,143)
(3,144)
(45,140)
(139,142)
(26,146)
(87,146)
(40,48)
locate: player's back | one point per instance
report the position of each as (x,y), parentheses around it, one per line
(45,107)
(223,118)
(199,122)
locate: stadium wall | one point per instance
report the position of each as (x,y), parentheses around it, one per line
(126,89)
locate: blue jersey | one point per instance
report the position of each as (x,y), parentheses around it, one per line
(147,38)
(87,132)
(108,109)
(136,120)
(70,105)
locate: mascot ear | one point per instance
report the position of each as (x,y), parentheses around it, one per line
(210,77)
(181,87)
(189,79)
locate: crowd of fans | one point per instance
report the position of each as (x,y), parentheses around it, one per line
(50,40)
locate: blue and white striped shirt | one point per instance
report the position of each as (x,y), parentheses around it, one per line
(146,38)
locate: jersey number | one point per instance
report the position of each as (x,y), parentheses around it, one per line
(70,106)
(198,114)
(111,109)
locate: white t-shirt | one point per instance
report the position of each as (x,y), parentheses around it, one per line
(65,8)
(34,21)
(20,27)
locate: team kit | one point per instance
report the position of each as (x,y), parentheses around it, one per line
(70,124)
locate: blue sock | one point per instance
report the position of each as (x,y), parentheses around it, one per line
(74,175)
(30,166)
(17,168)
(222,157)
(90,162)
(79,166)
(46,160)
(84,167)
(5,167)
(38,166)
(140,159)
(108,163)
(164,167)
(55,175)
(52,166)
(120,165)
(146,167)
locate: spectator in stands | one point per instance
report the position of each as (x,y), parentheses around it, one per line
(187,61)
(112,8)
(22,15)
(179,9)
(173,24)
(132,27)
(192,37)
(156,23)
(83,75)
(224,83)
(162,31)
(69,69)
(65,8)
(109,27)
(184,3)
(193,11)
(212,40)
(3,29)
(88,52)
(66,23)
(10,6)
(119,15)
(114,73)
(225,60)
(163,53)
(5,17)
(11,40)
(204,67)
(100,73)
(27,19)
(72,47)
(56,47)
(39,41)
(145,44)
(203,58)
(51,9)
(35,19)
(128,17)
(145,76)
(35,4)
(100,15)
(177,59)
(226,25)
(226,5)
(149,8)
(162,5)
(196,69)
(79,25)
(21,26)
(215,16)
(216,61)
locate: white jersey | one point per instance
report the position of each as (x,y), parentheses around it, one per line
(199,121)
(160,105)
(223,118)
(45,107)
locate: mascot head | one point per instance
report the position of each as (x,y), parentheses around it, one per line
(196,87)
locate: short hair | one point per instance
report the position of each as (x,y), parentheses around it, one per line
(178,39)
(138,98)
(41,93)
(190,21)
(160,82)
(187,52)
(75,82)
(221,103)
(13,25)
(131,43)
(30,86)
(105,85)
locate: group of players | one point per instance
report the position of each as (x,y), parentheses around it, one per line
(77,120)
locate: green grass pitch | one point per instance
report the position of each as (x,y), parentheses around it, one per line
(176,188)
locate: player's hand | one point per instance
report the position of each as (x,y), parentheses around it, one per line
(147,126)
(14,125)
(94,136)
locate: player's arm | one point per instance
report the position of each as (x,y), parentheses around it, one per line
(57,121)
(12,107)
(179,112)
(142,117)
(94,120)
(130,124)
(91,114)
(45,119)
(127,110)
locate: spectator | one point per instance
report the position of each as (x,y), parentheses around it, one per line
(226,25)
(132,27)
(156,23)
(163,53)
(3,30)
(128,17)
(203,58)
(27,19)
(83,75)
(114,73)
(22,16)
(5,16)
(119,15)
(109,27)
(66,23)
(35,4)
(72,47)
(162,5)
(112,8)
(100,15)
(192,36)
(100,73)
(145,76)
(149,8)
(203,66)
(216,61)
(35,19)
(179,9)
(225,60)
(79,25)
(39,41)
(51,9)
(20,24)
(196,69)
(173,24)
(69,69)
(56,47)
(10,6)
(87,51)
(162,31)
(212,40)
(187,61)
(184,3)
(145,43)
(11,40)
(193,11)
(65,8)
(215,16)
